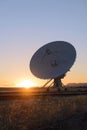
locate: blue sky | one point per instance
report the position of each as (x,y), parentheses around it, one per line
(26,25)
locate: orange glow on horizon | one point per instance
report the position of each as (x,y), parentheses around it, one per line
(26,84)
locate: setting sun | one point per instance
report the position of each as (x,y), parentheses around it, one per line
(26,84)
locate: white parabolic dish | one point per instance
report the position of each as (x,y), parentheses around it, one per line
(53,60)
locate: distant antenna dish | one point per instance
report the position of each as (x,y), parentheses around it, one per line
(53,60)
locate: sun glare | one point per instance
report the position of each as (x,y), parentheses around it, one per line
(26,84)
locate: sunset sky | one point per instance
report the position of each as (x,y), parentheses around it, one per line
(26,25)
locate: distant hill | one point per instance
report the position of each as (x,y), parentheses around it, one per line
(77,84)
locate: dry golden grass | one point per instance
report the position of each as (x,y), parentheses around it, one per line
(41,112)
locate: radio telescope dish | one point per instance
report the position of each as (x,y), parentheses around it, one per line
(53,60)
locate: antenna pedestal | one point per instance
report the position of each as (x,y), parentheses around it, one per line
(58,82)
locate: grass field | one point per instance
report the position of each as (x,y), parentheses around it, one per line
(44,113)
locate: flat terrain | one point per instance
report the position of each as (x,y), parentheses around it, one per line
(44,113)
(22,93)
